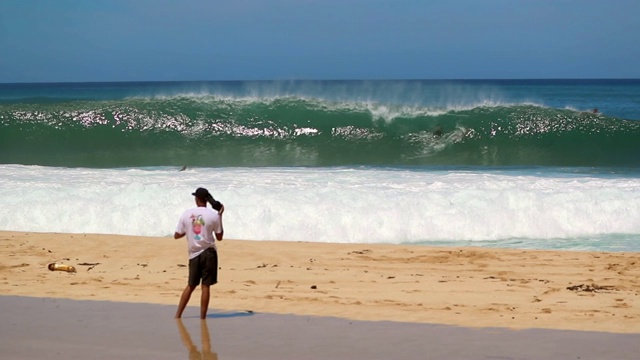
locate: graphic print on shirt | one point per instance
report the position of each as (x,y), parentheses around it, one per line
(197,222)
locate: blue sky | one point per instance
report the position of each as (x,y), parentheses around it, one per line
(167,40)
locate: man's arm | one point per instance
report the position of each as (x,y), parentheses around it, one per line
(221,233)
(180,229)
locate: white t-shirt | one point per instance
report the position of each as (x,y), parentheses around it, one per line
(199,224)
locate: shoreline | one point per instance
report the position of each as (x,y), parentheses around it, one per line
(463,286)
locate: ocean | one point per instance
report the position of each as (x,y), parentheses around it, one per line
(522,164)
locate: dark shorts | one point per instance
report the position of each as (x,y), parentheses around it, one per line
(205,267)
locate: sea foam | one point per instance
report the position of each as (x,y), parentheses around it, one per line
(349,205)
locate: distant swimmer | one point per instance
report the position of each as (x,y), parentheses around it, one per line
(438,131)
(595,111)
(183,168)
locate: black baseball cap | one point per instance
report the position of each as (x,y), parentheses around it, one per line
(202,194)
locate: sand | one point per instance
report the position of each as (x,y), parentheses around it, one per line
(470,287)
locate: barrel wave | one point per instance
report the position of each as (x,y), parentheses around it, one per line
(219,131)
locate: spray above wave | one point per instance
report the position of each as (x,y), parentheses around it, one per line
(207,130)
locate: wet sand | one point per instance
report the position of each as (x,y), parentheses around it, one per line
(37,328)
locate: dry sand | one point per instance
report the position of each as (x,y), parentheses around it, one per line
(471,287)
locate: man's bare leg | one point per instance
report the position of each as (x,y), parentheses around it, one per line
(204,301)
(184,300)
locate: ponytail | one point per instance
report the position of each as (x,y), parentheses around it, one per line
(215,204)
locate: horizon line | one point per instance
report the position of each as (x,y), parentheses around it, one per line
(318,80)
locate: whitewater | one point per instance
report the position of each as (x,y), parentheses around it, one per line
(514,208)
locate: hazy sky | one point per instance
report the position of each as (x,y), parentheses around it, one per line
(147,40)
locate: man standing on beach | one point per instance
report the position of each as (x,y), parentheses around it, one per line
(200,224)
